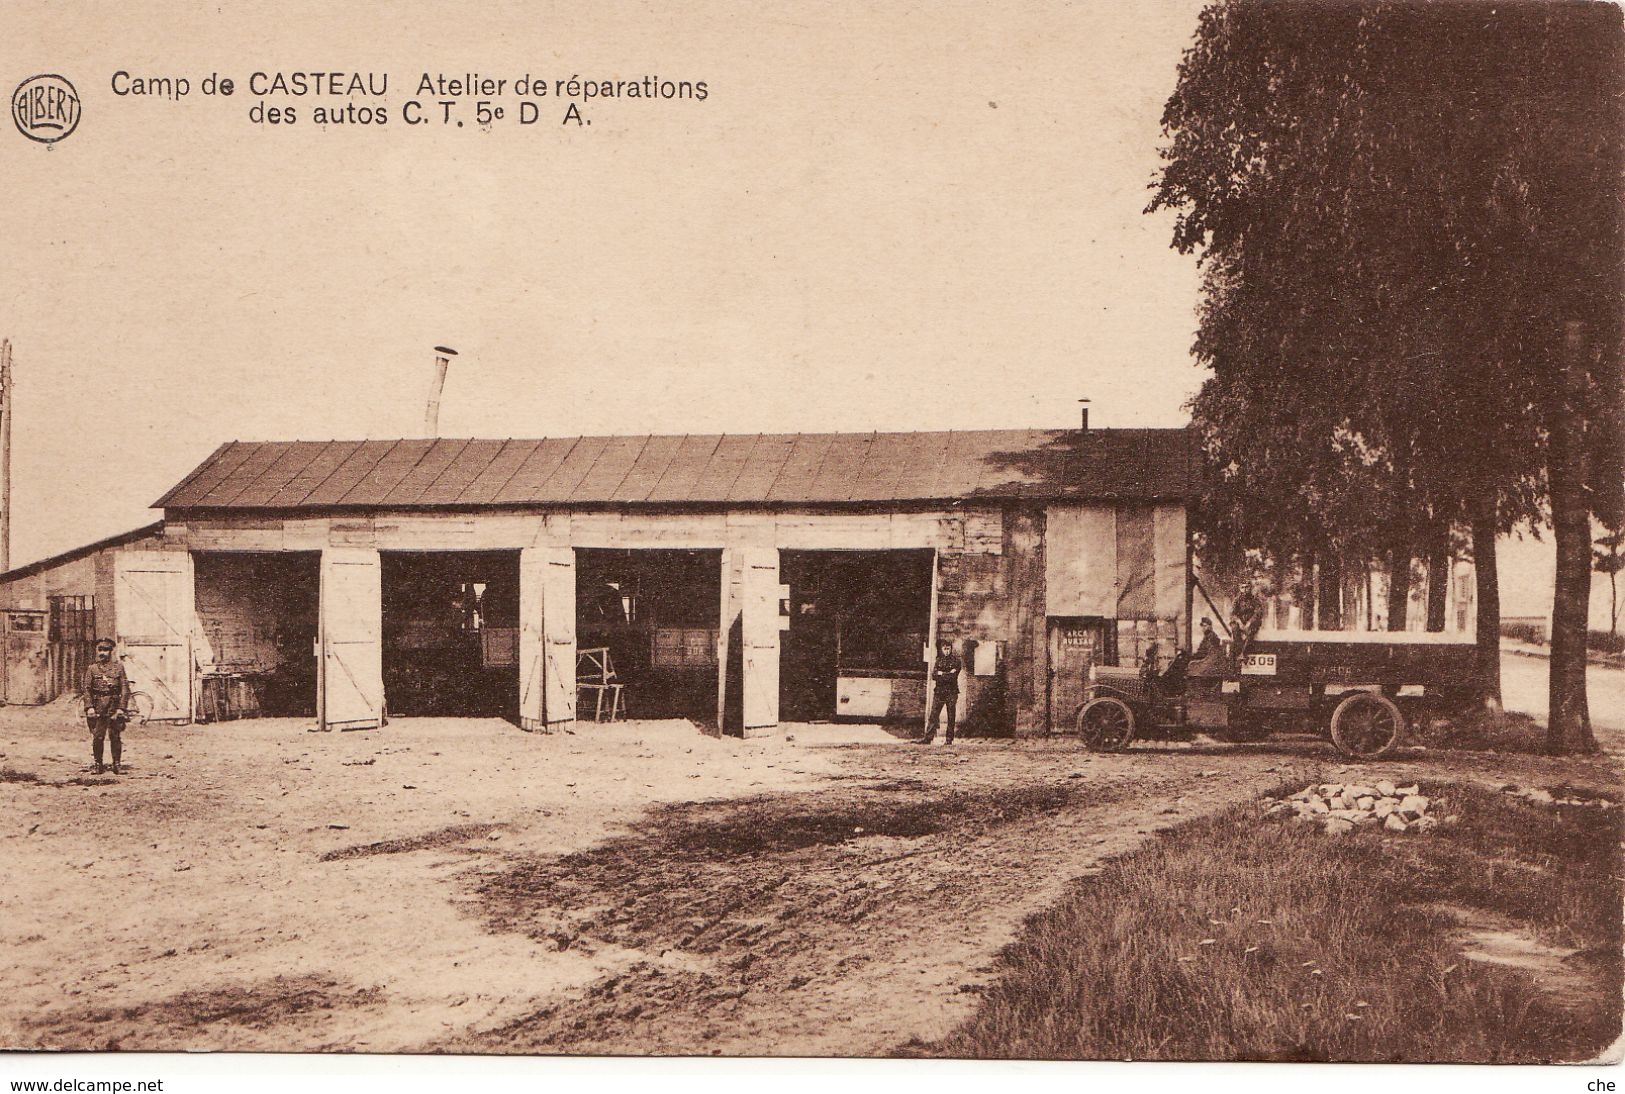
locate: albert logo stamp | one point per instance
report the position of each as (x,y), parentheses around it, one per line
(45,108)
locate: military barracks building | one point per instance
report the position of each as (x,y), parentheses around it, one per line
(738,581)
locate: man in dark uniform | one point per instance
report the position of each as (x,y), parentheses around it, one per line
(107,697)
(1209,646)
(945,675)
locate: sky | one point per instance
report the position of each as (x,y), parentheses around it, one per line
(910,217)
(887,216)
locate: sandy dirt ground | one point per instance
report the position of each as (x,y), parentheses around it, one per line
(458,885)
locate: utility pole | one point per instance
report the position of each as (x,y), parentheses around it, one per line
(5,455)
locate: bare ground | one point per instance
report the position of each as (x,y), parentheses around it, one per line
(461,886)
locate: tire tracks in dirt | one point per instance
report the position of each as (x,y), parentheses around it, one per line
(844,920)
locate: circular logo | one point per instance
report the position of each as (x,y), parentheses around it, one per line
(45,108)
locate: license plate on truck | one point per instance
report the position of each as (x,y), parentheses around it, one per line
(1258,664)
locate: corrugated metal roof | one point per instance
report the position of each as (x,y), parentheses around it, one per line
(736,469)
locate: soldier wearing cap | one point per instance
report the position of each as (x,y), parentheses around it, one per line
(107,697)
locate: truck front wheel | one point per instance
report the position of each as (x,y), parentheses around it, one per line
(1106,724)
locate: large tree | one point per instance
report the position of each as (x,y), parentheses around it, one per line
(1403,211)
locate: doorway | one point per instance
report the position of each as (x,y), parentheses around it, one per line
(858,632)
(1076,644)
(451,633)
(656,611)
(257,617)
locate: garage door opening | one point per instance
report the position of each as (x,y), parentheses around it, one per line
(657,613)
(451,633)
(860,622)
(257,616)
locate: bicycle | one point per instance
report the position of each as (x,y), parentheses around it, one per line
(137,712)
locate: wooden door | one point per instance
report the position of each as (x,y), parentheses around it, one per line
(760,626)
(27,661)
(559,637)
(1074,646)
(153,604)
(532,639)
(351,673)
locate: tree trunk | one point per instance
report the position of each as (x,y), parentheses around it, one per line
(1569,729)
(1331,594)
(1399,587)
(1438,587)
(1488,583)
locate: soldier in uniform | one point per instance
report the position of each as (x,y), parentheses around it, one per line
(1246,617)
(945,675)
(1210,645)
(107,697)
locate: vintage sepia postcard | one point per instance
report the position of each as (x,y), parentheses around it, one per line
(1051,531)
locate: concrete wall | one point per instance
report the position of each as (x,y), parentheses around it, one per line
(991,591)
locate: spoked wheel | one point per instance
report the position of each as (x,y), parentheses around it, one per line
(1106,724)
(1366,725)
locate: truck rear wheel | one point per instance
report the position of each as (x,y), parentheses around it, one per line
(1366,725)
(1106,724)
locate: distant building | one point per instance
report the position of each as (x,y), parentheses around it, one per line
(1363,603)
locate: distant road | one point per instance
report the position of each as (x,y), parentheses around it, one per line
(1524,689)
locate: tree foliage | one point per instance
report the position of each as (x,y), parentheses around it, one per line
(1396,207)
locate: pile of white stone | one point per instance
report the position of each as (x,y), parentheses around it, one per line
(1343,807)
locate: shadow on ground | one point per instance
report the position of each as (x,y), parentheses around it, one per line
(765,894)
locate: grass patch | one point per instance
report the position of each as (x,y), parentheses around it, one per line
(1235,939)
(1485,731)
(12,775)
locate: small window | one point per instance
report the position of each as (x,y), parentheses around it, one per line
(1136,636)
(73,618)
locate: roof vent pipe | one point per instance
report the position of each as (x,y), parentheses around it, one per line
(431,419)
(1084,424)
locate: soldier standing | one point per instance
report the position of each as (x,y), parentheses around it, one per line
(945,672)
(107,697)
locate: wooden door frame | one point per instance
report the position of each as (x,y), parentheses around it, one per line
(1106,629)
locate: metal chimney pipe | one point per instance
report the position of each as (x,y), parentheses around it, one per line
(1084,426)
(431,420)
